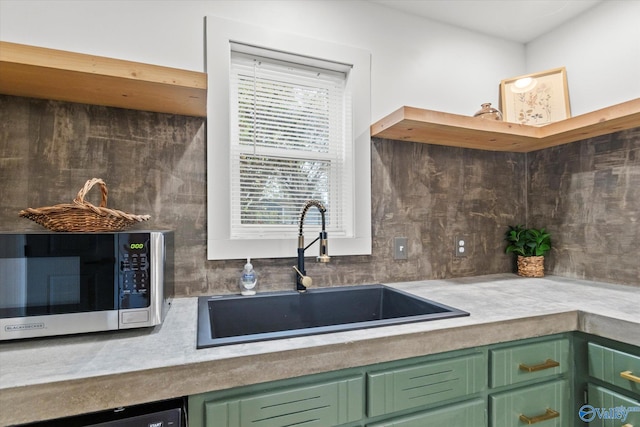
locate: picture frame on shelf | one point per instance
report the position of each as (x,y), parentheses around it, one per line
(536,99)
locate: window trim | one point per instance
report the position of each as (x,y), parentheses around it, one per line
(220,34)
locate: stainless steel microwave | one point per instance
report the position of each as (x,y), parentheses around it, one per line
(68,283)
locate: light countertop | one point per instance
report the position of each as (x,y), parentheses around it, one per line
(56,377)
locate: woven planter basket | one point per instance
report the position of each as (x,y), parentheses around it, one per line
(82,215)
(531,266)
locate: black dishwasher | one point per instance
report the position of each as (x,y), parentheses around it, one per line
(168,413)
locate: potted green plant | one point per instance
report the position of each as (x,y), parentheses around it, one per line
(530,245)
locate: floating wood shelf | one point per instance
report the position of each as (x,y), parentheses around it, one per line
(434,127)
(38,72)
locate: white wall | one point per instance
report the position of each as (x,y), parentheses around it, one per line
(601,51)
(416,62)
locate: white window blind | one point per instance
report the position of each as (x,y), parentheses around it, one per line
(291,141)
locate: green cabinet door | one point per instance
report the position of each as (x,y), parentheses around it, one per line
(615,367)
(320,405)
(467,414)
(535,361)
(610,409)
(425,383)
(546,405)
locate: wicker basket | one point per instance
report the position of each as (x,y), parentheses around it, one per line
(82,215)
(531,266)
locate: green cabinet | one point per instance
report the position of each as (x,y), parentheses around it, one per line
(613,387)
(486,386)
(547,404)
(530,383)
(318,405)
(467,414)
(522,363)
(618,368)
(443,388)
(611,409)
(427,383)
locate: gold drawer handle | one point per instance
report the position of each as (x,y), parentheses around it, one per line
(549,363)
(628,425)
(627,375)
(549,414)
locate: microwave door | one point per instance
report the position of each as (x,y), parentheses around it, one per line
(38,286)
(70,273)
(54,284)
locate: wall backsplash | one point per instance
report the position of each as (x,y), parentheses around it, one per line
(155,164)
(588,194)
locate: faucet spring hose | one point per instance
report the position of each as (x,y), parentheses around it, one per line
(306,207)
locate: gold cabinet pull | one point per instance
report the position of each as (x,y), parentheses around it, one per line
(549,363)
(628,425)
(549,414)
(627,375)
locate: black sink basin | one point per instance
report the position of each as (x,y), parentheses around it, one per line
(234,319)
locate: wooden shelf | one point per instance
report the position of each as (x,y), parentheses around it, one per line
(434,127)
(38,72)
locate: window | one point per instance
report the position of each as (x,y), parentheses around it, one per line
(290,133)
(280,132)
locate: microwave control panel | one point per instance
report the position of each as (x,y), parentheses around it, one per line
(134,253)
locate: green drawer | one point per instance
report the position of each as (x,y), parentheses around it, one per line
(547,405)
(467,414)
(514,365)
(615,367)
(424,384)
(321,405)
(607,405)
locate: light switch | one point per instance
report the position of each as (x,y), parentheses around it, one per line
(400,249)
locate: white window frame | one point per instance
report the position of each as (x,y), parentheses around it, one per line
(221,33)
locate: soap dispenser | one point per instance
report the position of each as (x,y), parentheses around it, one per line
(248,279)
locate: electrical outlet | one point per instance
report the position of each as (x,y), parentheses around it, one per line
(400,250)
(461,244)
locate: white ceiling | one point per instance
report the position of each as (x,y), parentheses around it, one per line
(516,20)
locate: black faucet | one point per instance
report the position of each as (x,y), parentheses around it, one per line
(302,280)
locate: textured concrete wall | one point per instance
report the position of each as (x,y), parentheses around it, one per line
(588,195)
(155,164)
(431,194)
